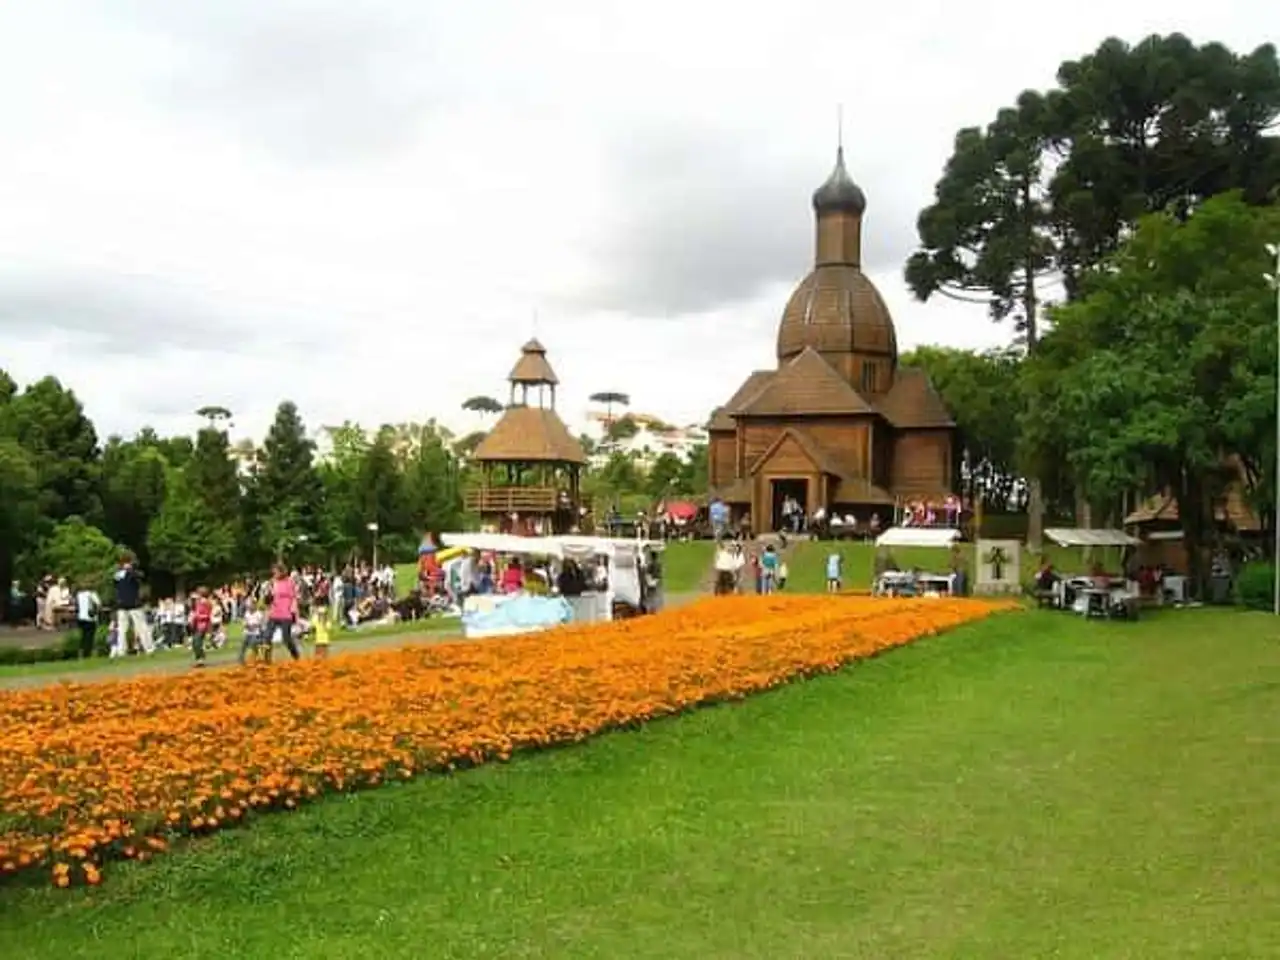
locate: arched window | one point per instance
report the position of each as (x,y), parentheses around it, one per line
(870,371)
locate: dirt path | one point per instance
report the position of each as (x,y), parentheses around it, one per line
(173,664)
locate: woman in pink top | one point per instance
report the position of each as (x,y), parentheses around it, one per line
(283,611)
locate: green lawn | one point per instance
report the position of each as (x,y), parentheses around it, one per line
(685,565)
(1032,786)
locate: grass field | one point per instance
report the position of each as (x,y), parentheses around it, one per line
(1032,786)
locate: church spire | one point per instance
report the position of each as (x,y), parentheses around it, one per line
(838,206)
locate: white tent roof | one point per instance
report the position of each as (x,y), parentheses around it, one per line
(504,543)
(1073,537)
(918,537)
(606,546)
(545,546)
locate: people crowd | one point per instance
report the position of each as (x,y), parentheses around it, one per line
(741,569)
(284,607)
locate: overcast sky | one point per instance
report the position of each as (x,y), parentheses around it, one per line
(367,207)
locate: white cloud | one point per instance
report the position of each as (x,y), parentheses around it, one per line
(363,206)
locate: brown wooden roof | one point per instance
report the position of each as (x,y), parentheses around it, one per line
(722,417)
(1233,510)
(862,490)
(532,367)
(838,309)
(530,435)
(806,385)
(755,382)
(720,422)
(912,401)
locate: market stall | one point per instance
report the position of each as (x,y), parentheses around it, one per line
(914,582)
(1099,594)
(614,573)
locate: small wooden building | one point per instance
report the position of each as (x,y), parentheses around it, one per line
(837,425)
(531,466)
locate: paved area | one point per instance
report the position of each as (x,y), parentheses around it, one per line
(172,663)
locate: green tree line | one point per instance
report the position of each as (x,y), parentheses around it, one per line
(197,508)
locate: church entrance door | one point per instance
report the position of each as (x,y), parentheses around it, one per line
(784,491)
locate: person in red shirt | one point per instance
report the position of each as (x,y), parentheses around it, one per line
(201,623)
(513,577)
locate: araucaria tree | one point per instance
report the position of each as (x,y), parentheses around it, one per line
(988,237)
(1055,185)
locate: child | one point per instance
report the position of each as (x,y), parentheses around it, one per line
(178,623)
(320,623)
(782,574)
(254,624)
(201,623)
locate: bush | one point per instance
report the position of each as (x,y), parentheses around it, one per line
(68,649)
(1255,586)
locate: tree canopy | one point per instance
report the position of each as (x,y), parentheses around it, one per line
(1165,366)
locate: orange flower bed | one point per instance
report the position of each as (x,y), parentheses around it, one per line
(106,770)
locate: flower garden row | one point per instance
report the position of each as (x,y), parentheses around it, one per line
(90,773)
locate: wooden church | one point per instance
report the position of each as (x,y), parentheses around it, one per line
(837,425)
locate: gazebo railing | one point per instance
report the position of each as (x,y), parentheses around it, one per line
(518,499)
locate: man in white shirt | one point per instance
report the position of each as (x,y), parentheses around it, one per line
(728,562)
(87,606)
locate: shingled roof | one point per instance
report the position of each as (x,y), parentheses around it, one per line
(532,367)
(722,417)
(912,402)
(530,434)
(806,385)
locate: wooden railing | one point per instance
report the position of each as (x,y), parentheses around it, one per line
(517,500)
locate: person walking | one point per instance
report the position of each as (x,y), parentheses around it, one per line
(201,624)
(129,607)
(87,606)
(283,612)
(769,569)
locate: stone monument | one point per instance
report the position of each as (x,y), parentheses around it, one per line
(999,565)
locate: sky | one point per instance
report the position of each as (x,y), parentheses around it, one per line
(367,208)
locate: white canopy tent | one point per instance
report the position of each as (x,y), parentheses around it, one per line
(918,537)
(1075,537)
(504,543)
(624,556)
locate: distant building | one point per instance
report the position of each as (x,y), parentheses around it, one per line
(654,437)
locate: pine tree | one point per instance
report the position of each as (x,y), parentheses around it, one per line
(287,487)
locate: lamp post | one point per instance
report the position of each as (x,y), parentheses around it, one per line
(373,528)
(1274,278)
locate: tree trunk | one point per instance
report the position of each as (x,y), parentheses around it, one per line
(1031,329)
(1191,511)
(1035,515)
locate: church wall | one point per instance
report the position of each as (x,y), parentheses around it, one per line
(848,438)
(789,459)
(882,456)
(721,458)
(921,462)
(757,436)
